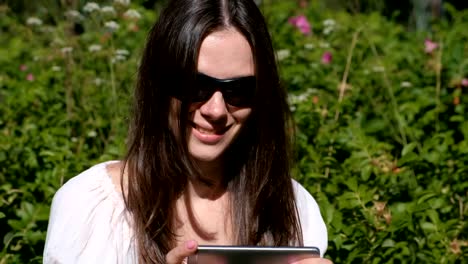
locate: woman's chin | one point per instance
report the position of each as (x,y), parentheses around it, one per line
(205,156)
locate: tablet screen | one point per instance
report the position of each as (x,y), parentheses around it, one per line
(251,255)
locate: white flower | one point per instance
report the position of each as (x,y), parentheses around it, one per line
(309,46)
(108,10)
(283,54)
(111,25)
(132,14)
(327,30)
(378,69)
(329,23)
(299,98)
(122,52)
(74,139)
(94,48)
(56,68)
(324,45)
(328,26)
(118,58)
(33,21)
(66,50)
(98,81)
(296,99)
(120,55)
(406,84)
(92,133)
(74,15)
(91,7)
(122,2)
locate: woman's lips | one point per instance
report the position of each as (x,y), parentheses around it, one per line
(208,135)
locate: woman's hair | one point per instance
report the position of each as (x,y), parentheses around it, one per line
(258,179)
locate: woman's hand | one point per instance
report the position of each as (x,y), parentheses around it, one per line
(312,261)
(178,254)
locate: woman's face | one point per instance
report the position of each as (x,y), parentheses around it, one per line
(214,124)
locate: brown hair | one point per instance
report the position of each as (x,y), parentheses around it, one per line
(258,162)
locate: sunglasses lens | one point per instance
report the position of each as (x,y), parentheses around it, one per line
(203,89)
(240,92)
(202,94)
(236,92)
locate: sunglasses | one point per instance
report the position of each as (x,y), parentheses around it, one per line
(237,92)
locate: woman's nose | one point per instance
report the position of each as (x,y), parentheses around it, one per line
(215,108)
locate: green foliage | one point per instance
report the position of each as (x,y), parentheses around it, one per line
(382,133)
(387,159)
(64,104)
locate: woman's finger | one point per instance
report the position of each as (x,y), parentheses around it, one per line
(179,253)
(312,261)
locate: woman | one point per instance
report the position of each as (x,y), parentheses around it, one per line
(208,157)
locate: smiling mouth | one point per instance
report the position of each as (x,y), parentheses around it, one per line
(210,131)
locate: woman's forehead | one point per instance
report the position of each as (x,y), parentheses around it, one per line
(225,54)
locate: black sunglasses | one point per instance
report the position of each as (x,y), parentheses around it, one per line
(236,92)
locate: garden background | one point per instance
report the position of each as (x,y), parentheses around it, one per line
(379,91)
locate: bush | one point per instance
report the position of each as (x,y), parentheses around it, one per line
(382,134)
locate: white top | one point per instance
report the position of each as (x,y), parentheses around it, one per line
(89,223)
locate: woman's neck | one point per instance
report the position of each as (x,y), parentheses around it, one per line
(212,184)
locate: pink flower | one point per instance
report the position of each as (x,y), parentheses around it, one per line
(430,46)
(23,67)
(327,57)
(464,82)
(301,23)
(30,77)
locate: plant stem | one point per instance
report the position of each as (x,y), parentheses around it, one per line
(438,84)
(69,86)
(346,73)
(392,96)
(112,75)
(114,94)
(344,80)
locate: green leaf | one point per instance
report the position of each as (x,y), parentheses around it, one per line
(428,227)
(408,148)
(434,216)
(426,197)
(8,237)
(408,159)
(366,172)
(352,184)
(388,243)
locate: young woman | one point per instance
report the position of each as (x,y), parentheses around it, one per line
(208,157)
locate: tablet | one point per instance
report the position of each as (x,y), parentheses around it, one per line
(251,254)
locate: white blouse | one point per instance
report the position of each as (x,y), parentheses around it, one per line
(89,223)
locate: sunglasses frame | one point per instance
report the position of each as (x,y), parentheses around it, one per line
(237,92)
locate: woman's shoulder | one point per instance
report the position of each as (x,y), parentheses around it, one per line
(86,189)
(80,196)
(87,183)
(87,218)
(303,197)
(314,229)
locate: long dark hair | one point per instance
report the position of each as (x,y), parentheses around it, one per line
(262,203)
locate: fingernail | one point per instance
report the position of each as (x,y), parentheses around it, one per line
(190,244)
